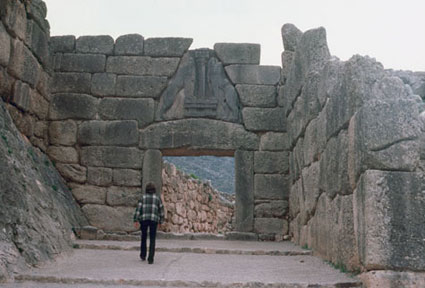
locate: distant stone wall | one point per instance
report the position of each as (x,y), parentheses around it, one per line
(356,182)
(194,206)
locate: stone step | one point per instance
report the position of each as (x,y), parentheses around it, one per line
(202,247)
(120,268)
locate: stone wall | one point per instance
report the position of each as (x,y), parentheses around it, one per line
(118,106)
(354,130)
(194,206)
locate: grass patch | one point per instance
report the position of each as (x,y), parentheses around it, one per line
(305,247)
(194,176)
(55,188)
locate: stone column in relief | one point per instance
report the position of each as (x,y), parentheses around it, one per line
(152,169)
(244,187)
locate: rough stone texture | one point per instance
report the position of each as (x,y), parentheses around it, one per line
(141,110)
(14,17)
(274,209)
(264,119)
(167,47)
(99,176)
(238,53)
(38,41)
(271,225)
(112,157)
(273,141)
(142,66)
(126,177)
(88,194)
(62,44)
(203,134)
(37,211)
(384,135)
(72,106)
(140,86)
(291,35)
(152,169)
(200,88)
(106,133)
(95,44)
(388,239)
(253,74)
(257,95)
(63,154)
(377,279)
(21,95)
(22,64)
(271,186)
(271,162)
(103,84)
(63,133)
(110,218)
(71,82)
(90,63)
(4,46)
(38,105)
(123,196)
(286,58)
(244,189)
(130,44)
(72,172)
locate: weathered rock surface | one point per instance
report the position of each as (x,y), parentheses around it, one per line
(238,53)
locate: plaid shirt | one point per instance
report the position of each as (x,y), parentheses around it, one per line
(150,207)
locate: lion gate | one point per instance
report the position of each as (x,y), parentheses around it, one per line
(117,107)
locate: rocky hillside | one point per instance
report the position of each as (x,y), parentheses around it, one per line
(220,170)
(37,211)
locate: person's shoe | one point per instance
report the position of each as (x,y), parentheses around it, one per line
(143,259)
(150,261)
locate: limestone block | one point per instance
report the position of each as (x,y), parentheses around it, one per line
(276,208)
(264,119)
(71,82)
(103,84)
(40,129)
(109,219)
(102,44)
(123,196)
(4,46)
(152,169)
(140,86)
(72,172)
(88,194)
(63,154)
(62,44)
(141,110)
(167,47)
(271,186)
(126,177)
(271,226)
(22,64)
(14,17)
(112,157)
(238,53)
(199,134)
(24,122)
(257,95)
(90,63)
(376,279)
(43,85)
(296,194)
(271,162)
(75,106)
(142,66)
(99,176)
(253,74)
(38,41)
(21,95)
(37,10)
(105,133)
(244,183)
(384,135)
(311,54)
(274,141)
(291,35)
(286,59)
(63,133)
(310,181)
(389,215)
(130,44)
(331,81)
(296,159)
(38,105)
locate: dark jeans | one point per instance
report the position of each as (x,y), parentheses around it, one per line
(152,235)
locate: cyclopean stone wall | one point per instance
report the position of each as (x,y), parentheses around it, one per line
(356,195)
(118,106)
(194,206)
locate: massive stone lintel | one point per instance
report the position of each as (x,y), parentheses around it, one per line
(200,88)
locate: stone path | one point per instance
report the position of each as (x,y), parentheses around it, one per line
(186,263)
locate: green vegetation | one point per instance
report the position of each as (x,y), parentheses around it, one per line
(194,176)
(305,247)
(55,188)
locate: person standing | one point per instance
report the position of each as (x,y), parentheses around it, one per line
(149,212)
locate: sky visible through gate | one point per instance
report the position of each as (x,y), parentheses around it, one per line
(391,31)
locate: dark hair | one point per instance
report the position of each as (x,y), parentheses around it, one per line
(150,188)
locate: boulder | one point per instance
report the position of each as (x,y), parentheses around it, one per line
(129,44)
(291,35)
(257,95)
(62,44)
(101,44)
(106,133)
(166,47)
(238,53)
(253,74)
(73,106)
